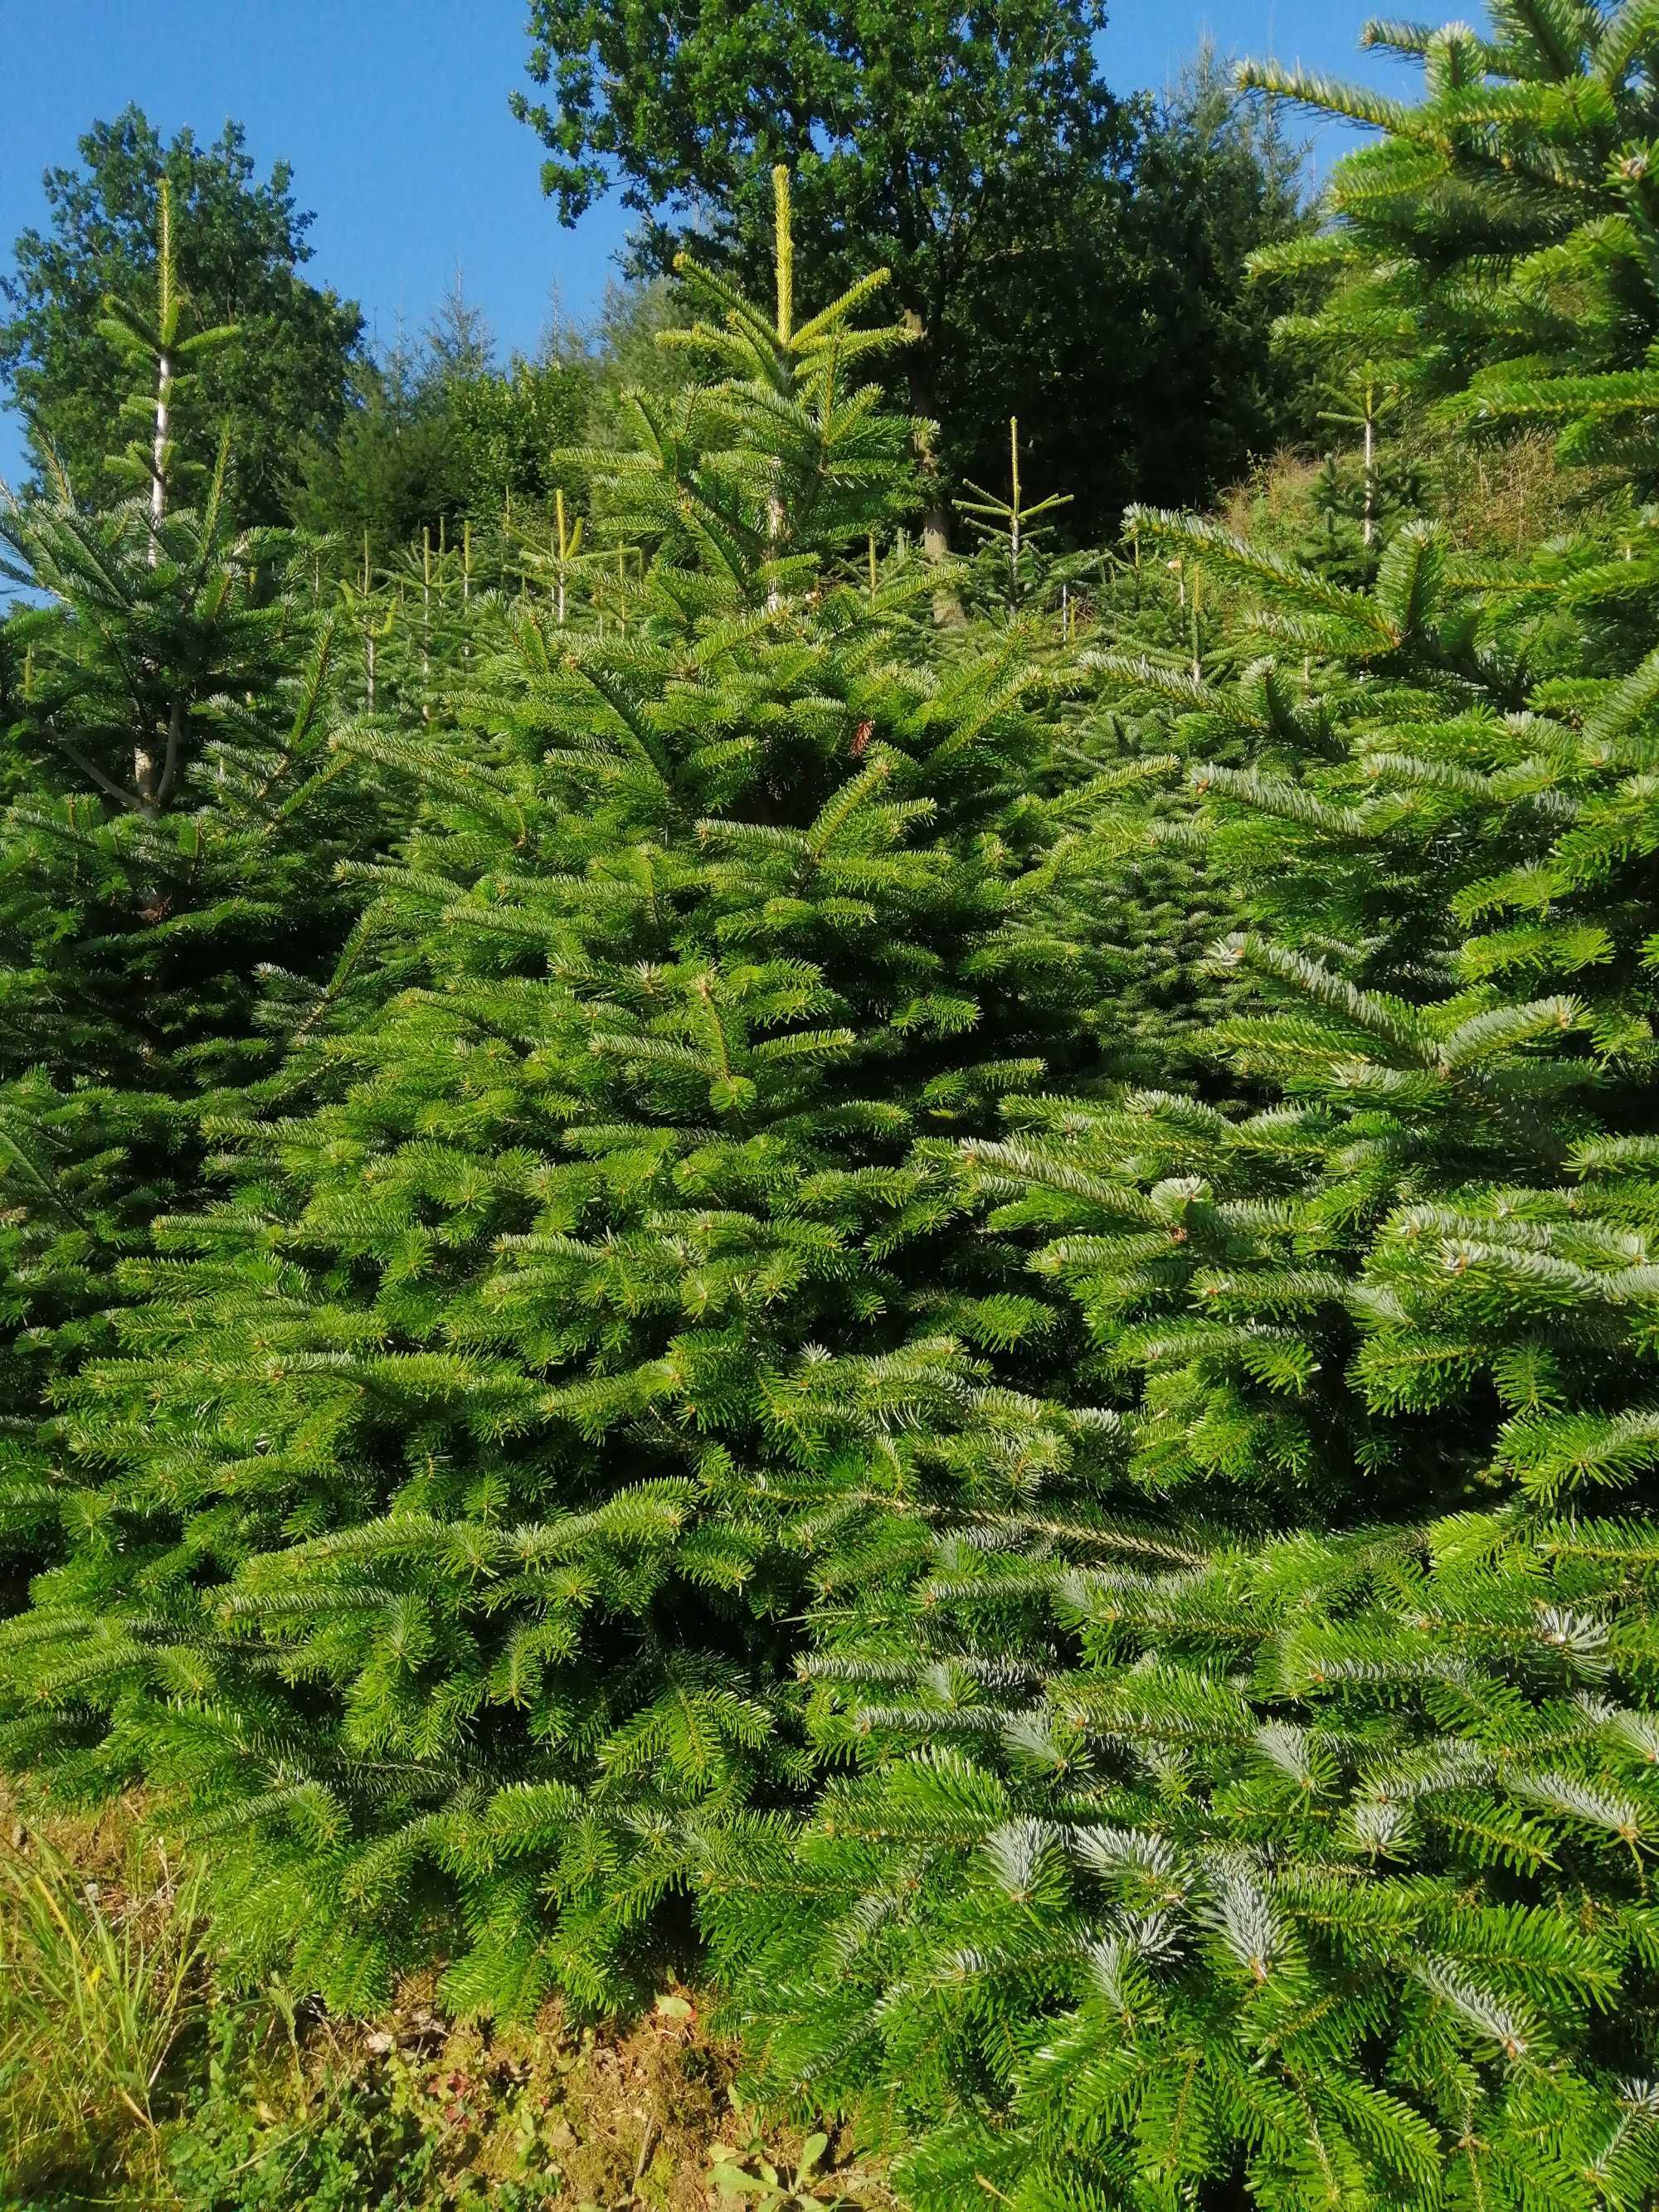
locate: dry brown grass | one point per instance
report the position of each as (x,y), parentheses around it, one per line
(1275,500)
(1505,498)
(643,2117)
(1494,498)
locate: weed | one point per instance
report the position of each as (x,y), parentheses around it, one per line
(745,2173)
(98,1983)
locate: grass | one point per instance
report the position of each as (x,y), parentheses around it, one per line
(100,1981)
(128,2079)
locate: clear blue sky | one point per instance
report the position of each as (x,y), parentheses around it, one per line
(393,113)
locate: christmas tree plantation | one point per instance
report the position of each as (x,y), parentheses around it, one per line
(953,1321)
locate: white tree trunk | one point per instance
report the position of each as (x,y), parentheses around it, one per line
(1370,474)
(146,773)
(158,480)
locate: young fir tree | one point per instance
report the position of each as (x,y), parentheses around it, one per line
(1498,239)
(169,819)
(1014,570)
(441,1530)
(1285,1838)
(1122,899)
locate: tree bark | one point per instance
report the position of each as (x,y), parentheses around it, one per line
(158,478)
(146,771)
(948,609)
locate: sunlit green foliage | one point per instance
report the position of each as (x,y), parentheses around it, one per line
(965,1309)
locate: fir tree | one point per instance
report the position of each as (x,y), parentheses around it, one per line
(442,1527)
(1015,569)
(1497,240)
(242,251)
(1272,1823)
(171,817)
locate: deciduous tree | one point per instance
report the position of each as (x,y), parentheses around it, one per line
(241,247)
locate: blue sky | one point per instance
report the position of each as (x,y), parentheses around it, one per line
(393,113)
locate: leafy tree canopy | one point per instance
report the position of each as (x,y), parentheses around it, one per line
(952,145)
(977,153)
(241,246)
